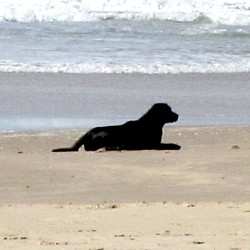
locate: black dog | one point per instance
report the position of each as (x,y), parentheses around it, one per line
(144,133)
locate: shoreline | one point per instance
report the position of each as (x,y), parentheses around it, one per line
(84,130)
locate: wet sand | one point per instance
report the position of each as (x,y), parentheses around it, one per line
(42,101)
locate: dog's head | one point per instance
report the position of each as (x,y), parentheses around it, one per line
(162,113)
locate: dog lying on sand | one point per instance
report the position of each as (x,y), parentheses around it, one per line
(144,133)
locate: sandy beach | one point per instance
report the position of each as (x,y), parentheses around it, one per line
(194,198)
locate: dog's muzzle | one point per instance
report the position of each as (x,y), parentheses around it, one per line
(175,117)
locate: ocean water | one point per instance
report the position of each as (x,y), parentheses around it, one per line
(125,36)
(120,36)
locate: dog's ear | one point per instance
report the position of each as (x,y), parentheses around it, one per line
(161,108)
(163,113)
(157,113)
(160,113)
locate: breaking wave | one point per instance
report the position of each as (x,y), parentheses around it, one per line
(231,12)
(216,67)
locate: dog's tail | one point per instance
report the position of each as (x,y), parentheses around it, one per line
(71,149)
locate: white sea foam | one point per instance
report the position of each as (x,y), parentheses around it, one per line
(233,12)
(213,67)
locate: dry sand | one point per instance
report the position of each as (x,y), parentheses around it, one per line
(195,198)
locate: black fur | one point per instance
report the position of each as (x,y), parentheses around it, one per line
(144,133)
